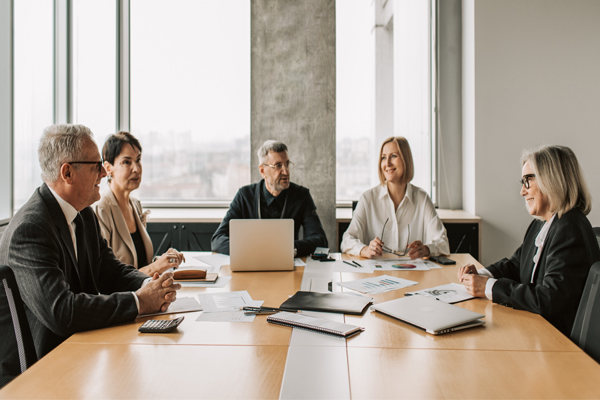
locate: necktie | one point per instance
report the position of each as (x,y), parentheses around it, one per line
(81,251)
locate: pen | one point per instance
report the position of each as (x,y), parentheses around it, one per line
(357,264)
(350,264)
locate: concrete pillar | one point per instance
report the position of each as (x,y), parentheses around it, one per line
(293,93)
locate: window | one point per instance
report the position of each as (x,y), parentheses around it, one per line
(33,90)
(94,66)
(190,97)
(384,75)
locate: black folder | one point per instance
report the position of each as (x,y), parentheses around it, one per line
(327,302)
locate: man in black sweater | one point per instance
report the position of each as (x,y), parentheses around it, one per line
(275,197)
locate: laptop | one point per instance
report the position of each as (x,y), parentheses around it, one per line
(434,316)
(261,244)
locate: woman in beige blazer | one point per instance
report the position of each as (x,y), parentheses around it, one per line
(121,216)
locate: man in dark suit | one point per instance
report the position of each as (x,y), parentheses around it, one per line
(69,279)
(275,197)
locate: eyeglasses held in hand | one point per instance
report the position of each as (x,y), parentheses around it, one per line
(390,251)
(279,166)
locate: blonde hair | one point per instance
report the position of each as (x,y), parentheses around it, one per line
(407,158)
(559,178)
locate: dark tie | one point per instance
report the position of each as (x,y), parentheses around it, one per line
(81,252)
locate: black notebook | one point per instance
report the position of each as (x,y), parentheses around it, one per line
(327,302)
(303,321)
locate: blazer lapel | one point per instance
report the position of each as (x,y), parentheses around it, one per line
(531,249)
(143,233)
(60,221)
(121,225)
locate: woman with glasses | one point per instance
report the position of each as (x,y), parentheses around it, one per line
(121,217)
(547,274)
(395,217)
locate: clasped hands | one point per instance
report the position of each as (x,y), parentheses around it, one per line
(375,249)
(474,283)
(158,294)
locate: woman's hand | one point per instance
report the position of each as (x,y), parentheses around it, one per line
(171,259)
(466,269)
(374,249)
(475,284)
(418,250)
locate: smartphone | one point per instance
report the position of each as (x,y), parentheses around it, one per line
(442,260)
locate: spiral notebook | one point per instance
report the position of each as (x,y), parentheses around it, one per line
(317,324)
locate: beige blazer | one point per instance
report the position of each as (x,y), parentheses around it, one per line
(114,228)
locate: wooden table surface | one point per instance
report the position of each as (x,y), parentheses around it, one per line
(516,354)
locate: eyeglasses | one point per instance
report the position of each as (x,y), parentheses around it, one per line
(279,166)
(390,251)
(98,163)
(525,180)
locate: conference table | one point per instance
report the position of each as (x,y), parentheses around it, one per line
(515,355)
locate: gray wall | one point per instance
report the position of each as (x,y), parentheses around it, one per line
(530,77)
(293,93)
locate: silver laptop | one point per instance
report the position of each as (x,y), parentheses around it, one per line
(434,316)
(261,244)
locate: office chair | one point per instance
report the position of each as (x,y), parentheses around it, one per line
(597,233)
(354,204)
(17,351)
(586,329)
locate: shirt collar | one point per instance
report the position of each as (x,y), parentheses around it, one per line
(541,237)
(383,191)
(269,198)
(67,209)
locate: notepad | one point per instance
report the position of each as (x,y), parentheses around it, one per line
(313,323)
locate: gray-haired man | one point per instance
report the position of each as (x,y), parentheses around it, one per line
(275,197)
(69,278)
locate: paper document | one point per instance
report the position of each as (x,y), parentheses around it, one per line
(450,293)
(227,306)
(377,284)
(392,264)
(219,283)
(349,266)
(298,262)
(181,305)
(226,316)
(216,260)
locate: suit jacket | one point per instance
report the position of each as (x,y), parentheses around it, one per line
(568,252)
(115,231)
(300,207)
(61,297)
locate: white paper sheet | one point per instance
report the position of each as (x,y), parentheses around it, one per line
(388,265)
(450,293)
(299,263)
(341,266)
(378,284)
(225,307)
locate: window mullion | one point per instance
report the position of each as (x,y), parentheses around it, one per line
(62,62)
(123,57)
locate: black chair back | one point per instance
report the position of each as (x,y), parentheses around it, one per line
(17,351)
(586,329)
(597,233)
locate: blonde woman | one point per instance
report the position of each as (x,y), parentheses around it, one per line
(546,275)
(395,216)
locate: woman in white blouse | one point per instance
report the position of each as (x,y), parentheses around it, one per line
(395,217)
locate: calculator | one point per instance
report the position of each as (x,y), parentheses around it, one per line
(160,325)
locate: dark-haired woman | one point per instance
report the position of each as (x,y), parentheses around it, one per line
(121,217)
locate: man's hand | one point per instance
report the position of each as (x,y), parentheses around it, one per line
(475,284)
(158,294)
(464,270)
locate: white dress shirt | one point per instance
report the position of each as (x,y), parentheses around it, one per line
(375,206)
(539,243)
(70,215)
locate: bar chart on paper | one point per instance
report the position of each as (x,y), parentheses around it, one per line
(378,284)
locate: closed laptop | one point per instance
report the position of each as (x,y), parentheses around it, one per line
(434,316)
(261,244)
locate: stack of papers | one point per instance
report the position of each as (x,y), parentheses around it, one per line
(227,306)
(378,284)
(212,263)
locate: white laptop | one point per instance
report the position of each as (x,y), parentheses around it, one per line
(261,244)
(434,316)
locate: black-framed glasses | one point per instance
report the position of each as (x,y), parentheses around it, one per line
(525,180)
(98,163)
(279,166)
(390,251)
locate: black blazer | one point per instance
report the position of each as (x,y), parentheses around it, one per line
(300,207)
(60,297)
(568,252)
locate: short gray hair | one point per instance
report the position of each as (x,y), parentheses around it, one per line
(269,145)
(559,178)
(59,144)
